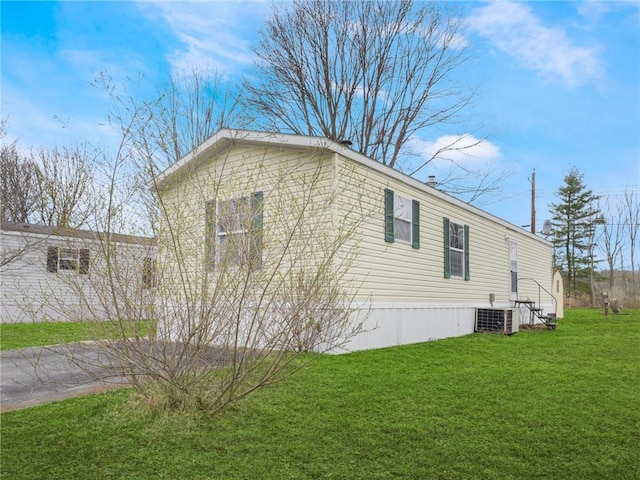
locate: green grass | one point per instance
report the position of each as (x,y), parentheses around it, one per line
(23,335)
(559,404)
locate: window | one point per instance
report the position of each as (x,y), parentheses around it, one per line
(456,250)
(402,219)
(456,245)
(149,273)
(233,218)
(513,268)
(234,231)
(68,259)
(75,259)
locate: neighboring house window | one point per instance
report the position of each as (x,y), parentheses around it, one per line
(456,250)
(402,219)
(234,231)
(149,273)
(76,259)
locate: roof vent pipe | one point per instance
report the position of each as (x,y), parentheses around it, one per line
(432,181)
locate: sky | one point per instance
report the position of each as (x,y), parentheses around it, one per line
(558,82)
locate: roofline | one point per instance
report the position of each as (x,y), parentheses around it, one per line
(51,231)
(226,138)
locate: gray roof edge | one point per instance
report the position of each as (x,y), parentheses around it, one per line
(51,231)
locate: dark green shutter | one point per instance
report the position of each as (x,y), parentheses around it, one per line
(256,228)
(52,259)
(388,216)
(466,252)
(84,261)
(447,253)
(210,235)
(415,224)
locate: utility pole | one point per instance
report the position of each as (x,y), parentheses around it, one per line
(533,202)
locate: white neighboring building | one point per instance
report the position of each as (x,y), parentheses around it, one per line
(58,274)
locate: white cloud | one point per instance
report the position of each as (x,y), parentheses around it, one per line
(595,10)
(462,150)
(514,28)
(213,34)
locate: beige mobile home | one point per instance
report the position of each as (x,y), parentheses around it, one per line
(58,274)
(423,264)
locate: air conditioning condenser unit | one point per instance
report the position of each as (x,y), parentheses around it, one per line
(498,320)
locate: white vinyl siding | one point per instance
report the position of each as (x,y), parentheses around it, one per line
(404,288)
(388,274)
(382,271)
(283,177)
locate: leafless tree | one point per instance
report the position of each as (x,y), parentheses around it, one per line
(48,185)
(239,293)
(612,238)
(631,215)
(64,185)
(154,133)
(375,73)
(193,107)
(17,180)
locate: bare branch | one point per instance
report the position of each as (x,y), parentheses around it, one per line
(377,73)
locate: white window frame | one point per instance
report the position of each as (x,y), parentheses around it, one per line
(402,214)
(458,249)
(513,269)
(69,259)
(242,229)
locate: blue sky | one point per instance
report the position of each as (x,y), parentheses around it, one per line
(559,82)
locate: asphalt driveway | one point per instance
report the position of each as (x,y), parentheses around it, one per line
(32,376)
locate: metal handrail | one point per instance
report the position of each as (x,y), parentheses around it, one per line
(540,287)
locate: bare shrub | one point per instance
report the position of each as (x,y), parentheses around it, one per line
(252,252)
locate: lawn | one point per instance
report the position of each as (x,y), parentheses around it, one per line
(22,335)
(559,404)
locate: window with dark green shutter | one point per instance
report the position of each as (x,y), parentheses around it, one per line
(388,216)
(447,260)
(456,249)
(149,273)
(415,224)
(401,219)
(210,235)
(52,259)
(84,261)
(63,258)
(255,239)
(467,276)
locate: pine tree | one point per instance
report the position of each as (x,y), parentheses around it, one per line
(575,220)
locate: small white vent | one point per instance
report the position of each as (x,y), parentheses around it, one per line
(499,320)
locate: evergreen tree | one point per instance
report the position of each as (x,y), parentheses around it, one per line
(575,219)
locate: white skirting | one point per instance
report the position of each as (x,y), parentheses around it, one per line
(389,324)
